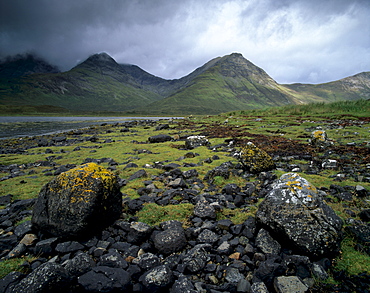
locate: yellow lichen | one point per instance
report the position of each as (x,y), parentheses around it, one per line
(319,134)
(78,181)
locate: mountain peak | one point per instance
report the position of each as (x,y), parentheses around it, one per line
(101,57)
(25,64)
(99,61)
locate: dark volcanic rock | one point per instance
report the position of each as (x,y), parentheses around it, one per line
(159,138)
(294,212)
(49,277)
(104,279)
(157,279)
(78,202)
(170,240)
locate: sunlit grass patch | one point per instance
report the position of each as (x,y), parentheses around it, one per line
(24,187)
(153,214)
(14,264)
(237,216)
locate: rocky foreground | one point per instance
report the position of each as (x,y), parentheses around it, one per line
(82,240)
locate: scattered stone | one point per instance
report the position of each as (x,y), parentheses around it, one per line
(259,287)
(365,215)
(138,232)
(158,278)
(204,210)
(104,279)
(29,239)
(138,174)
(289,284)
(49,277)
(79,265)
(5,199)
(170,240)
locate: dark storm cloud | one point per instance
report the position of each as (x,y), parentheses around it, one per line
(294,41)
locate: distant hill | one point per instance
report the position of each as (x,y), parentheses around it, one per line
(223,84)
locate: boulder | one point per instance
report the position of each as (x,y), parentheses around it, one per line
(320,139)
(294,213)
(253,159)
(78,202)
(159,138)
(196,141)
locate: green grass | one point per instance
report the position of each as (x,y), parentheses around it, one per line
(352,261)
(10,265)
(341,109)
(153,214)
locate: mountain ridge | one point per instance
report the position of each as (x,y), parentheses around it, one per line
(226,83)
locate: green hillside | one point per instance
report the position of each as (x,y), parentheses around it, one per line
(100,84)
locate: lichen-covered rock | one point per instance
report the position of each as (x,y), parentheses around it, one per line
(253,159)
(320,139)
(196,141)
(294,213)
(78,202)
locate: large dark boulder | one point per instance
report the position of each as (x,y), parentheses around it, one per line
(78,202)
(159,138)
(295,214)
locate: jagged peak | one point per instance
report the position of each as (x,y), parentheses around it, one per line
(101,57)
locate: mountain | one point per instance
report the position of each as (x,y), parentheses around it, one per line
(21,65)
(223,84)
(97,84)
(350,88)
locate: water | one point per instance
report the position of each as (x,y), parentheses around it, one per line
(11,126)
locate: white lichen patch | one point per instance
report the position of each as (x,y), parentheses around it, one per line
(296,190)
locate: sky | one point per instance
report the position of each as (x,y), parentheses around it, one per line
(306,41)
